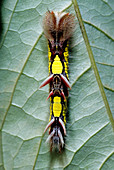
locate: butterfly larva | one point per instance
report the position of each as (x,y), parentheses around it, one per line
(58,28)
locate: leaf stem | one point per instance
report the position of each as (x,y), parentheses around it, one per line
(76,8)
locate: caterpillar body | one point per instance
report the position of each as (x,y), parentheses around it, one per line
(58,28)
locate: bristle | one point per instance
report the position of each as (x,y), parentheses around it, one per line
(50,136)
(46,81)
(65,81)
(49,25)
(62,94)
(66,26)
(50,94)
(63,126)
(49,124)
(61,137)
(58,25)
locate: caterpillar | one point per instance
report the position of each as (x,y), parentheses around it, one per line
(58,28)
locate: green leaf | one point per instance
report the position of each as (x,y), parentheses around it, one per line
(24,111)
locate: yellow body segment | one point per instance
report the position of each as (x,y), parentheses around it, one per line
(57,66)
(51,108)
(64,111)
(57,106)
(49,56)
(66,55)
(66,68)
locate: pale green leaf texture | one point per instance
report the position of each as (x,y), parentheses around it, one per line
(24,111)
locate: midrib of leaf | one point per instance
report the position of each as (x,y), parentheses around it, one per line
(84,34)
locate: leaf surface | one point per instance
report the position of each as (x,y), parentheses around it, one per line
(24,111)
